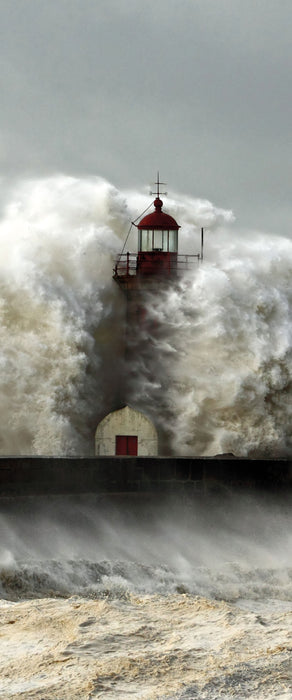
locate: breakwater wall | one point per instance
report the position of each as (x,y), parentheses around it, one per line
(24,476)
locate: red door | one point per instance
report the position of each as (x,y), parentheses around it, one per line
(126,445)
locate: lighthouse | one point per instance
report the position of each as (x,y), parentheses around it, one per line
(157,259)
(156,264)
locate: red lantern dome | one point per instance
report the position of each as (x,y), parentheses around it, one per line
(158,219)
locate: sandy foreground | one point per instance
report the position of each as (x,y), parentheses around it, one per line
(142,647)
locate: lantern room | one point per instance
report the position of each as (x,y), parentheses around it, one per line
(157,242)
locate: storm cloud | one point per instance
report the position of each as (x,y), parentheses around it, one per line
(119,88)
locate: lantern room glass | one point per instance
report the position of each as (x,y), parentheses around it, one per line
(146,240)
(158,240)
(172,241)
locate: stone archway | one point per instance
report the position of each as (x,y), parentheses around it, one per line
(126,432)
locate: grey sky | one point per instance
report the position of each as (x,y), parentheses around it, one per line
(200,89)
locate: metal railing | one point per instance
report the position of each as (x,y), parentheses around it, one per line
(126,264)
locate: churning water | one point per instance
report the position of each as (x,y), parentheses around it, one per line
(146,599)
(155,599)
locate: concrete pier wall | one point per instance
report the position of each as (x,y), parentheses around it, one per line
(22,476)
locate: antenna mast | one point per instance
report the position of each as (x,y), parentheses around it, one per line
(158,183)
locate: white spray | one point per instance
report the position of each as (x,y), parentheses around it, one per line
(217,376)
(58,238)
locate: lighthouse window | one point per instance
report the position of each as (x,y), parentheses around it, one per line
(157,240)
(165,241)
(146,240)
(172,241)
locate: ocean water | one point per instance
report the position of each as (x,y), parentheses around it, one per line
(146,598)
(151,598)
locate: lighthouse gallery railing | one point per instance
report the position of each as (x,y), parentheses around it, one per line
(126,264)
